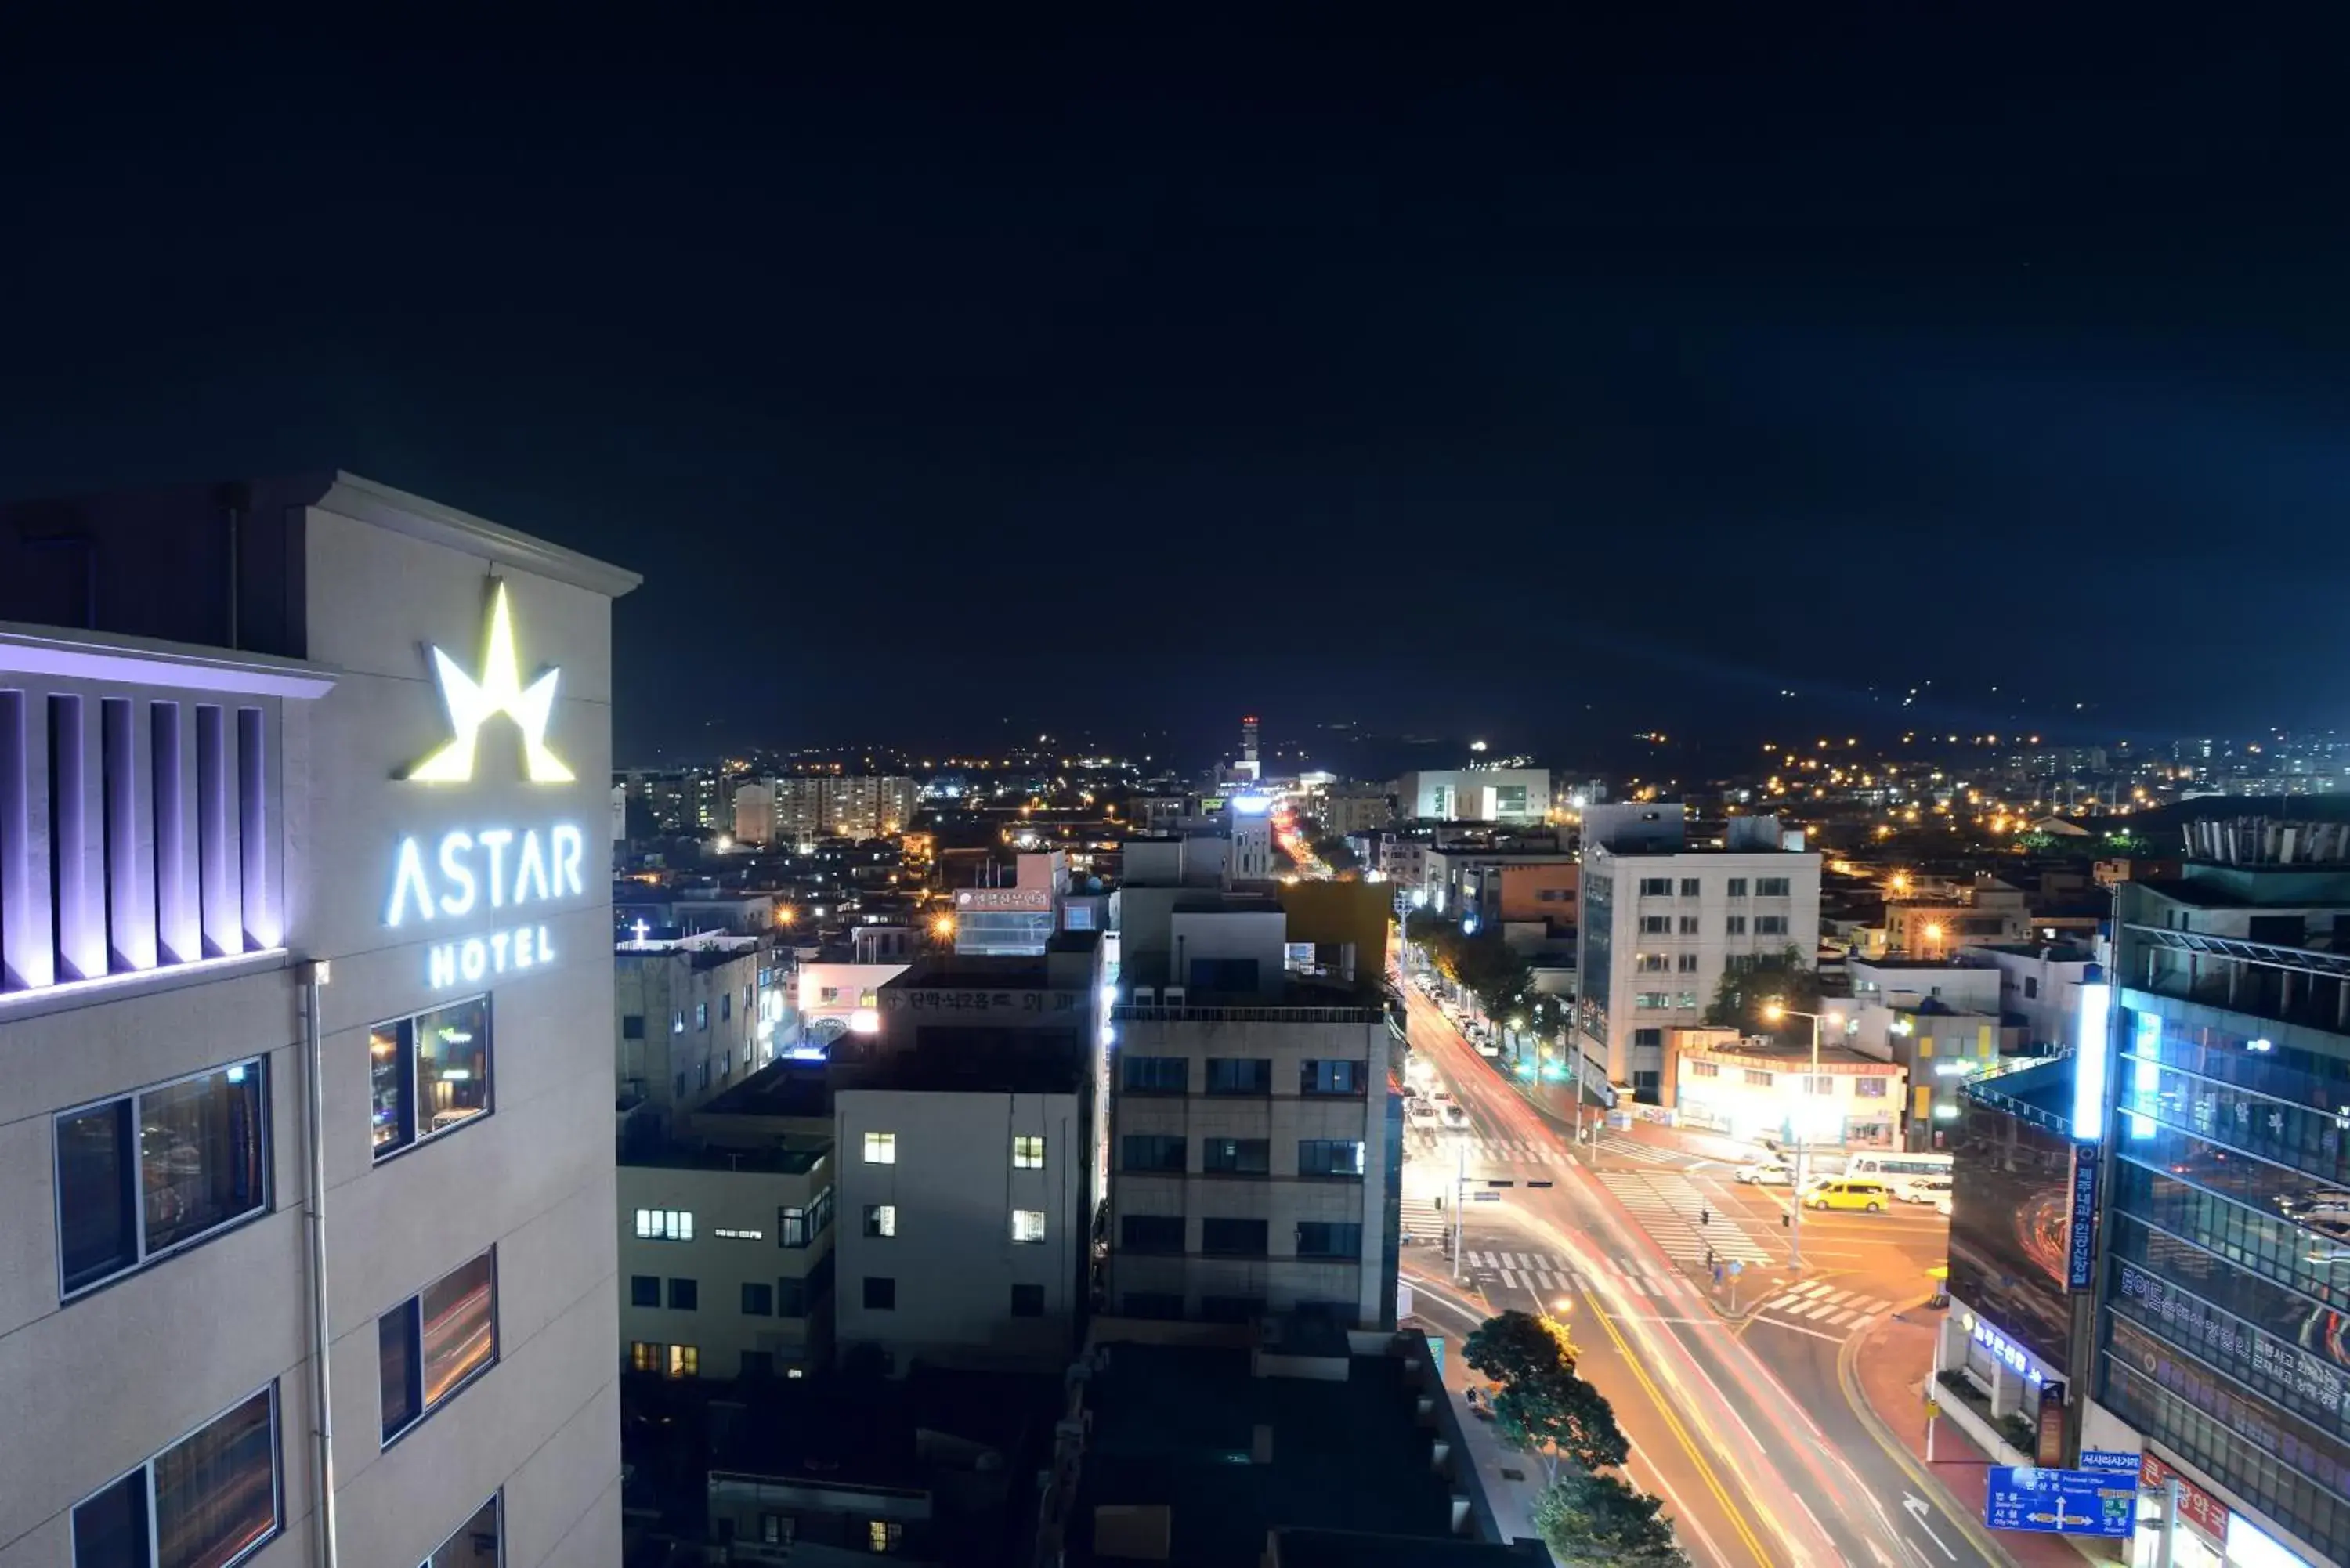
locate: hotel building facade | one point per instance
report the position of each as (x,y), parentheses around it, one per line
(305,997)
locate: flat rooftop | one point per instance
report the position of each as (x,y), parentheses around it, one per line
(785,1158)
(1175,1426)
(781,1088)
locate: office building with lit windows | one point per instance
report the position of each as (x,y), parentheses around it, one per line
(305,975)
(2219,1338)
(1661,919)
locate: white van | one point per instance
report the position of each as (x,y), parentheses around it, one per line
(1920,1189)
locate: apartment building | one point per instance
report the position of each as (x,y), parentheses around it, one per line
(304,964)
(1255,1144)
(800,808)
(693,1016)
(972,1163)
(1659,923)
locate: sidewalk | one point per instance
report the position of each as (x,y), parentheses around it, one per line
(1893,1360)
(1513,1501)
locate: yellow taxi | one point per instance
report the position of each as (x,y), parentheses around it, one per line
(1858,1192)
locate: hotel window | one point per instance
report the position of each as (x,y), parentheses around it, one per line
(211,1498)
(1689,926)
(1330,1156)
(1339,1076)
(1653,963)
(1655,886)
(664,1224)
(476,1544)
(1771,887)
(880,1148)
(1735,925)
(1656,925)
(1028,1224)
(1027,1151)
(1690,887)
(1685,963)
(881,1219)
(434,1342)
(430,1073)
(147,1174)
(1769,925)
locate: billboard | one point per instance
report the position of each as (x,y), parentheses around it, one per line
(2081,1230)
(2011,1205)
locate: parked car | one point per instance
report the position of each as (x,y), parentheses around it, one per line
(1765,1173)
(1454,1117)
(1849,1193)
(1920,1189)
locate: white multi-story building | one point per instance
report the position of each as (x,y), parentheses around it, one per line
(1474,794)
(1660,922)
(693,1016)
(803,808)
(305,960)
(971,1161)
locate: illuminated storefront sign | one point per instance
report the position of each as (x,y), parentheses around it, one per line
(2089,1063)
(492,868)
(2009,1353)
(471,702)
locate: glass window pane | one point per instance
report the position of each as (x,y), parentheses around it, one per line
(98,1227)
(452,1064)
(461,1327)
(387,1079)
(109,1531)
(203,1160)
(216,1492)
(395,1343)
(476,1543)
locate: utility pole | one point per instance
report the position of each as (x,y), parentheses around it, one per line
(1774,1009)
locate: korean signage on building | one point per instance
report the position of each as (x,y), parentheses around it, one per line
(2049,1449)
(923,999)
(999,901)
(2081,1237)
(2197,1507)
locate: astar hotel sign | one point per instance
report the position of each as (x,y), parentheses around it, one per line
(488,873)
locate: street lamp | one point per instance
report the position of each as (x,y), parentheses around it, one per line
(1774,1009)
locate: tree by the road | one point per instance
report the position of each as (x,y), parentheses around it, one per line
(1598,1522)
(1499,976)
(1782,976)
(1542,1407)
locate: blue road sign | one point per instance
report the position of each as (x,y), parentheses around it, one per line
(2060,1502)
(2111,1462)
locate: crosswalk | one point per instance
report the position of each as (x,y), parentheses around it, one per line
(1481,1151)
(1815,1305)
(1617,1145)
(1667,1205)
(1546,1272)
(1422,1218)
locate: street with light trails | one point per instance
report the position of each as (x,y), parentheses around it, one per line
(1748,1429)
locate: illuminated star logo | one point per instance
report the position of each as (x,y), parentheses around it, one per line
(500,690)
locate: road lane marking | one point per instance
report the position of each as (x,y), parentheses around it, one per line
(1673,1424)
(1784,1326)
(1509,1279)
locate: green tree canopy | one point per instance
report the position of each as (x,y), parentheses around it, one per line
(1543,1407)
(1598,1522)
(1337,854)
(1786,976)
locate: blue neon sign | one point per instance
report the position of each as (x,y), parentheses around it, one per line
(2089,1063)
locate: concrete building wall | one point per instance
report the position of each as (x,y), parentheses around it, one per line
(1279,1196)
(102,1382)
(738,1240)
(1712,912)
(697,1024)
(1475,794)
(948,1171)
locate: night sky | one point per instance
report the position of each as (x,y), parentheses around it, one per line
(1543,385)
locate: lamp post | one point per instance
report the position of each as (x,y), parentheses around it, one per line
(1774,1009)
